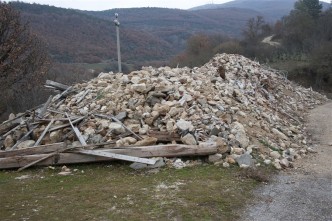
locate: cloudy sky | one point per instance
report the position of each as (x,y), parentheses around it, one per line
(108,4)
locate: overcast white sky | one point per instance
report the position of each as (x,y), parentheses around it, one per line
(109,4)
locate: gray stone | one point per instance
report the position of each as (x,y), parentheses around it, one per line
(245,160)
(215,131)
(139,87)
(284,163)
(240,134)
(277,165)
(159,163)
(275,154)
(26,144)
(96,138)
(148,141)
(11,116)
(9,141)
(184,125)
(267,162)
(221,145)
(55,136)
(179,164)
(279,134)
(225,164)
(116,128)
(138,166)
(89,131)
(189,139)
(121,116)
(135,79)
(215,158)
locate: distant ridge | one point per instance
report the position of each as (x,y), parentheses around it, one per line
(271,9)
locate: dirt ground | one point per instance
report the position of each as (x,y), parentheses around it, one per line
(305,192)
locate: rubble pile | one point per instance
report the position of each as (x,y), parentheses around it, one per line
(251,113)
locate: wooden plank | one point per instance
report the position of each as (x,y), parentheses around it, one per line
(43,134)
(63,94)
(66,125)
(43,158)
(35,150)
(77,132)
(54,119)
(9,132)
(7,126)
(72,158)
(117,156)
(44,109)
(57,85)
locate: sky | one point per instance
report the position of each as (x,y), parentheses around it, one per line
(97,5)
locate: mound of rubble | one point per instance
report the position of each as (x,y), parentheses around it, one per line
(251,113)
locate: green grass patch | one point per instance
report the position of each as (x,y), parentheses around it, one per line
(116,192)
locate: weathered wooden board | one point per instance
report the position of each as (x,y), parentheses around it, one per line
(117,156)
(8,125)
(34,150)
(147,151)
(57,85)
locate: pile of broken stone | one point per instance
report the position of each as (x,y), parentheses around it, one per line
(252,113)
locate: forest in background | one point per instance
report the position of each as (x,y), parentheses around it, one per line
(80,46)
(300,43)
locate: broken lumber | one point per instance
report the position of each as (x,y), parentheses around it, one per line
(117,156)
(77,132)
(43,134)
(145,151)
(66,125)
(43,158)
(32,151)
(63,94)
(44,109)
(8,125)
(57,85)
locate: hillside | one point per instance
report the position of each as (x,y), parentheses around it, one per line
(271,9)
(175,25)
(74,37)
(147,34)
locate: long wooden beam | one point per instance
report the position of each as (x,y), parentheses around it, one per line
(147,151)
(33,150)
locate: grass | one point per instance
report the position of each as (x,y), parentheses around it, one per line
(116,192)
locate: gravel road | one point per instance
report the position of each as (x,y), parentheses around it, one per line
(305,192)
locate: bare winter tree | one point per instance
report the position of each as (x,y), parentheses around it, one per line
(23,59)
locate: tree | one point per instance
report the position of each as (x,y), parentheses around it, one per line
(23,58)
(254,29)
(311,7)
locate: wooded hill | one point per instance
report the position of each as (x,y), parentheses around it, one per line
(272,10)
(147,34)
